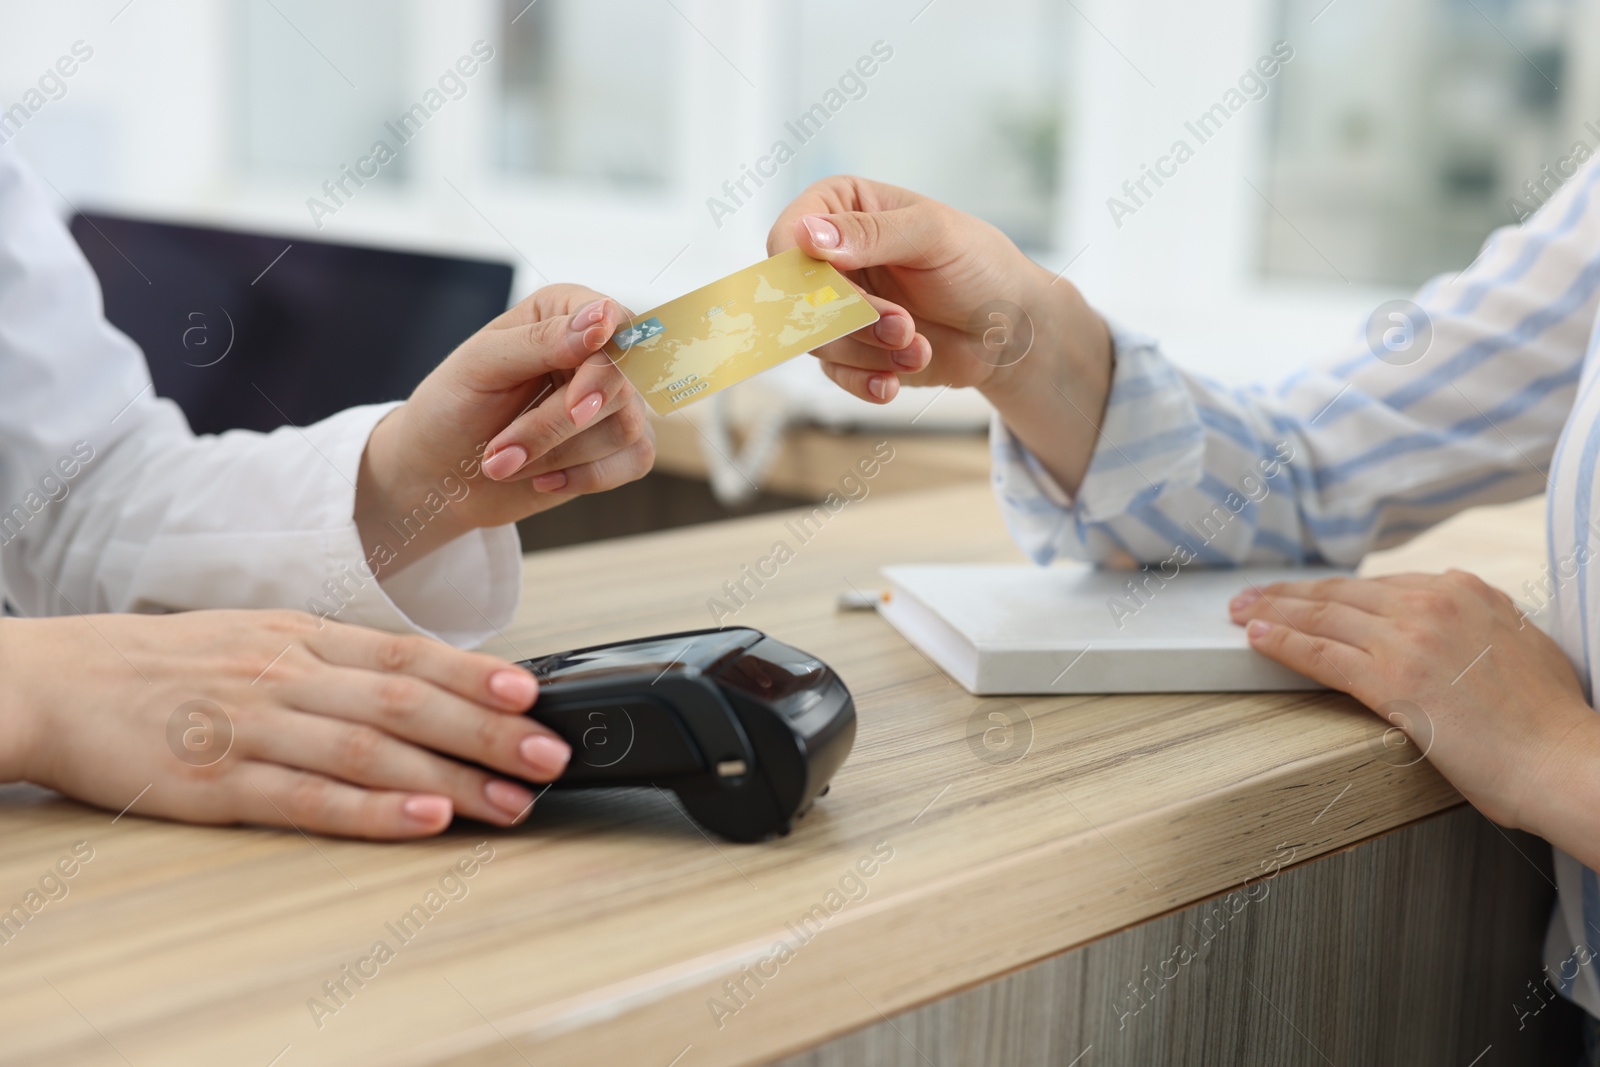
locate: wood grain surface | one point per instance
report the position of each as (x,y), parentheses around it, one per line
(607,929)
(1412,949)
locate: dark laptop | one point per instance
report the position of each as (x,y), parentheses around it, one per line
(251,331)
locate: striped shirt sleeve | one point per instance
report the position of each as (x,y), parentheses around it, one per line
(1362,450)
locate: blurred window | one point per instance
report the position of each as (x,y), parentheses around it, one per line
(318,81)
(589,91)
(969,111)
(1407,130)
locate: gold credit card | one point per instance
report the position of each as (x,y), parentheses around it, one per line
(724,332)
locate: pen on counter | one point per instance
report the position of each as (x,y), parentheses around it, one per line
(859,601)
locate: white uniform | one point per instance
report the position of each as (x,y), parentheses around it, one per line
(109,503)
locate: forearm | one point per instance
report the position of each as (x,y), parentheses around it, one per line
(1317,471)
(19,703)
(1054,398)
(1378,441)
(165,521)
(1562,802)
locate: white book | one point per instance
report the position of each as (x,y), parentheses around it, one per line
(1002,629)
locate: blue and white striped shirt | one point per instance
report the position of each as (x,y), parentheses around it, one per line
(1358,453)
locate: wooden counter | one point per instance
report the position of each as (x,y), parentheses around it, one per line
(607,928)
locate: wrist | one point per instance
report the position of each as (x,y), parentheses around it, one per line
(1054,399)
(1071,348)
(22,705)
(1561,801)
(392,487)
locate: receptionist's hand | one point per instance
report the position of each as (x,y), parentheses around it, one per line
(1490,700)
(959,305)
(272,718)
(527,413)
(928,269)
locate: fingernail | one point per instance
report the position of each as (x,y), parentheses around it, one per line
(546,755)
(1244,600)
(907,358)
(589,314)
(511,799)
(595,336)
(893,330)
(878,386)
(824,234)
(427,810)
(516,688)
(549,483)
(1257,629)
(587,408)
(506,462)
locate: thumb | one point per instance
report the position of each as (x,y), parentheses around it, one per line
(912,236)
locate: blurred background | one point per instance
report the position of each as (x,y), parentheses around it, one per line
(591,145)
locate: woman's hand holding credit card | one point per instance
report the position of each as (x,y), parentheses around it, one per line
(531,402)
(547,401)
(926,267)
(959,305)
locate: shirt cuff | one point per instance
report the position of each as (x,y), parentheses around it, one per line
(1150,438)
(463,592)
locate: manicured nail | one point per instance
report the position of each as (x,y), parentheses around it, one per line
(506,462)
(595,336)
(1258,629)
(589,314)
(549,483)
(547,755)
(511,799)
(427,810)
(878,386)
(907,358)
(894,330)
(824,234)
(516,688)
(587,408)
(1244,600)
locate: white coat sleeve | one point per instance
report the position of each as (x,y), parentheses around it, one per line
(109,503)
